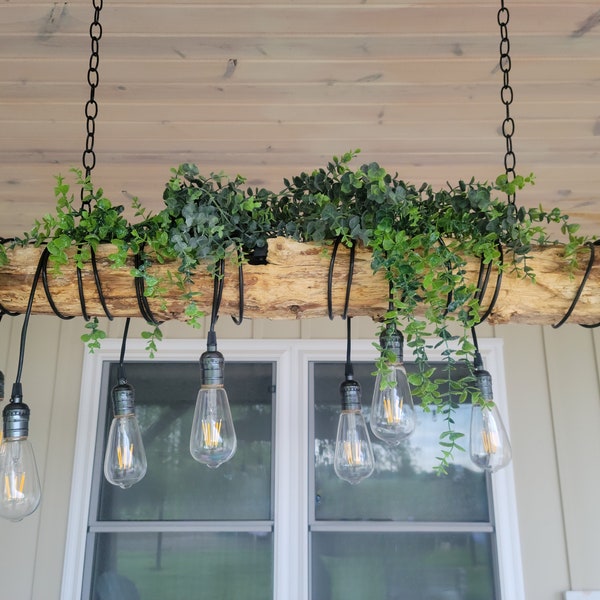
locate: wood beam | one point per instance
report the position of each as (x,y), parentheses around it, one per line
(293,285)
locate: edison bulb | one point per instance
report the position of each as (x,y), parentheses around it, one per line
(125,459)
(19,481)
(392,417)
(489,446)
(213,440)
(353,460)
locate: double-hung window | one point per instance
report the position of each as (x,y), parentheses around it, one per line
(274,521)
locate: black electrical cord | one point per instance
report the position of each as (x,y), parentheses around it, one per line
(99,286)
(449,267)
(482,284)
(142,301)
(44,272)
(121,373)
(36,277)
(81,294)
(238,320)
(584,279)
(348,281)
(218,282)
(349,368)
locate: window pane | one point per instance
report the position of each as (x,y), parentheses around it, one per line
(159,566)
(402,566)
(176,487)
(403,486)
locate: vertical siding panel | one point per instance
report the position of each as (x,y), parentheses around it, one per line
(39,369)
(575,401)
(535,467)
(62,425)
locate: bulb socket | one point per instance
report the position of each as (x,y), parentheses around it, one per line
(212,368)
(391,339)
(16,416)
(123,399)
(484,383)
(351,394)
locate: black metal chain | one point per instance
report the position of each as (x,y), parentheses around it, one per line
(91,106)
(506,95)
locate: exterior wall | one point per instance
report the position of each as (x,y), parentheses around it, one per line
(554,402)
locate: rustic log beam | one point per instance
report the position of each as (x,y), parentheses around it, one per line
(293,285)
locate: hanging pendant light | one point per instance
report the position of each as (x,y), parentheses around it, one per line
(353,460)
(125,458)
(392,417)
(489,445)
(19,480)
(213,439)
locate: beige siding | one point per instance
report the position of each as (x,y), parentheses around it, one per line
(552,385)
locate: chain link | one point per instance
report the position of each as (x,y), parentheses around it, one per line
(506,95)
(91,106)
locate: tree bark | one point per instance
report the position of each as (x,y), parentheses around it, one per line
(293,285)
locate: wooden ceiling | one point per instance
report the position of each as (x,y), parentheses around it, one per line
(268,88)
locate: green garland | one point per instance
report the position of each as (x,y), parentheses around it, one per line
(419,238)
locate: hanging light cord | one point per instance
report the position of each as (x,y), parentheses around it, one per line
(121,373)
(218,281)
(349,368)
(36,277)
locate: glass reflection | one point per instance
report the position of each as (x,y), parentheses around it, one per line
(402,566)
(403,471)
(160,566)
(176,487)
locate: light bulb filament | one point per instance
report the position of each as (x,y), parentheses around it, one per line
(490,441)
(352,451)
(125,457)
(12,491)
(393,411)
(211,431)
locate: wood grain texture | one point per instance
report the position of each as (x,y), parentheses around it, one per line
(293,285)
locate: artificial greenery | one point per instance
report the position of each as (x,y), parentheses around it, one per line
(419,238)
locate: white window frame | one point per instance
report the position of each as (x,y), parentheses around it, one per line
(291,510)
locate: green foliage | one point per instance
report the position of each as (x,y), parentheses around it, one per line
(419,238)
(208,219)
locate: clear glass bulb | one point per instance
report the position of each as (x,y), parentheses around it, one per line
(20,484)
(489,446)
(392,416)
(213,440)
(125,458)
(353,460)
